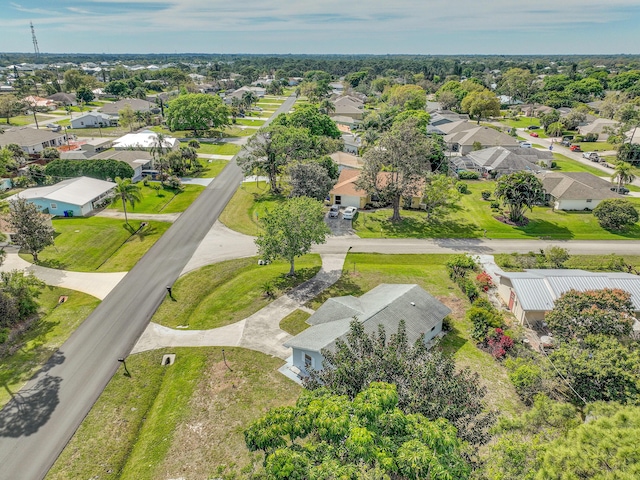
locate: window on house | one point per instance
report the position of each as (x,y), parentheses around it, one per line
(433,328)
(589,200)
(308,361)
(53,205)
(81,123)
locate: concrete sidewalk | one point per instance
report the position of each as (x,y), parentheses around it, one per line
(260,331)
(97,284)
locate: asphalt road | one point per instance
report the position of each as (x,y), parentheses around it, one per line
(38,422)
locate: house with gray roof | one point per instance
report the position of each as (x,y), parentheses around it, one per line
(463,136)
(32,140)
(136,104)
(139,160)
(496,161)
(93,120)
(386,305)
(575,190)
(532,293)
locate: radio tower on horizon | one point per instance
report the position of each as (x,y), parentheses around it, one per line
(35,40)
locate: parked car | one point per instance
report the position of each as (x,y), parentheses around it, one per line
(533,127)
(534,134)
(593,156)
(349,213)
(565,143)
(526,145)
(334,211)
(620,190)
(53,126)
(575,148)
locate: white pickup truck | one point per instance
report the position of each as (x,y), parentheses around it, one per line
(593,156)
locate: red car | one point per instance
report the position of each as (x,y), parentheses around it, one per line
(575,148)
(534,134)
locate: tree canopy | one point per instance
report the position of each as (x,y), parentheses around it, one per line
(32,229)
(519,190)
(291,229)
(308,116)
(331,436)
(197,112)
(616,214)
(101,169)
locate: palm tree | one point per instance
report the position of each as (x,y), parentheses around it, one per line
(127,192)
(158,146)
(249,98)
(327,106)
(622,173)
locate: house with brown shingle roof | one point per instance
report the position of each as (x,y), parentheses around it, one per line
(575,190)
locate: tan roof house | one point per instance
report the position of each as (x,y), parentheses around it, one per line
(463,140)
(575,190)
(598,126)
(347,194)
(347,161)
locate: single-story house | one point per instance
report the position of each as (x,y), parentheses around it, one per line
(62,98)
(346,194)
(336,87)
(73,197)
(139,160)
(32,140)
(352,143)
(136,104)
(575,190)
(502,161)
(446,116)
(39,102)
(598,126)
(386,305)
(463,136)
(260,92)
(344,110)
(93,120)
(346,160)
(349,100)
(145,140)
(532,293)
(94,145)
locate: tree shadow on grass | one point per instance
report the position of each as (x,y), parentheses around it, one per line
(343,287)
(411,227)
(452,342)
(51,263)
(144,232)
(545,229)
(30,408)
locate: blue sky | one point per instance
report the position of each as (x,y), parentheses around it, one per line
(323,26)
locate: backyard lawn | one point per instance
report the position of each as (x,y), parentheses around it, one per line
(211,167)
(566,164)
(249,122)
(97,244)
(475,215)
(224,293)
(182,421)
(22,120)
(295,322)
(166,200)
(37,345)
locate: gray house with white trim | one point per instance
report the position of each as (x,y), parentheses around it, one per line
(387,305)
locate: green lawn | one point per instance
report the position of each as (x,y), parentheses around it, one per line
(295,322)
(224,293)
(23,120)
(249,122)
(566,164)
(606,263)
(521,122)
(189,417)
(219,148)
(596,146)
(211,167)
(474,215)
(248,204)
(429,272)
(167,200)
(56,324)
(98,244)
(99,132)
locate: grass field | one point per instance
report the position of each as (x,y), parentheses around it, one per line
(605,263)
(474,215)
(219,148)
(224,293)
(182,421)
(167,200)
(247,205)
(249,122)
(295,322)
(23,120)
(521,122)
(596,146)
(35,347)
(566,164)
(98,244)
(211,167)
(429,272)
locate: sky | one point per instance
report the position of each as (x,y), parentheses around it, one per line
(323,26)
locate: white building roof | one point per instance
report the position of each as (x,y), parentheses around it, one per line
(76,191)
(538,289)
(143,140)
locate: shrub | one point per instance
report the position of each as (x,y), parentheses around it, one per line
(526,376)
(495,204)
(484,281)
(486,194)
(174,182)
(590,137)
(462,187)
(615,214)
(499,343)
(469,288)
(459,265)
(554,164)
(468,175)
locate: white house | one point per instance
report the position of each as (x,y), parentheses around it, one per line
(93,120)
(575,190)
(386,305)
(32,140)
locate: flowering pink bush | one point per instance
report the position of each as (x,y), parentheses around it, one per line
(484,281)
(499,343)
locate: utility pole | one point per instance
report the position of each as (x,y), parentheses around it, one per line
(36,50)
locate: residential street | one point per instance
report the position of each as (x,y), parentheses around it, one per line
(38,422)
